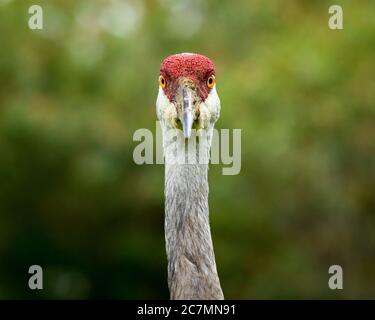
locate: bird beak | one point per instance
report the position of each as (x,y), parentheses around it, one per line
(187,112)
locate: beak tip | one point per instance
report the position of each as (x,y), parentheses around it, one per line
(187,133)
(187,123)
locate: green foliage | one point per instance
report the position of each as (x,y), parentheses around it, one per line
(73,201)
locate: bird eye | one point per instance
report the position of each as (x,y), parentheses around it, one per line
(211,81)
(162,82)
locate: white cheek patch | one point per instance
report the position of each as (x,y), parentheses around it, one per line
(204,115)
(165,110)
(210,108)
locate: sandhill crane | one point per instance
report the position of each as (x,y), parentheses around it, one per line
(187,100)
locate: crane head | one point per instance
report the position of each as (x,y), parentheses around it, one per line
(187,97)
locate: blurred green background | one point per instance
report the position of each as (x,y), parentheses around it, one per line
(71,96)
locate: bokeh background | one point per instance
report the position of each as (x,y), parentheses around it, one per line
(71,96)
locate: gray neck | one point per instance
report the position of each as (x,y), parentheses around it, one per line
(192,270)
